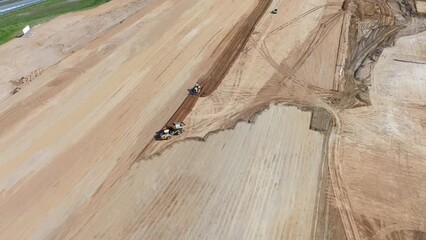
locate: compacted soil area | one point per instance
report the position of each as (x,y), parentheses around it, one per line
(310,123)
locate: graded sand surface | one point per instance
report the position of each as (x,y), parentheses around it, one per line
(77,128)
(421,6)
(26,58)
(63,134)
(78,159)
(278,63)
(381,149)
(251,182)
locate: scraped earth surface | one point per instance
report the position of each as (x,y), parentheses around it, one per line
(421,6)
(261,183)
(24,59)
(382,147)
(344,155)
(63,135)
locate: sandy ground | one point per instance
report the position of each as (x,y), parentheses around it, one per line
(279,63)
(63,134)
(57,133)
(53,41)
(74,140)
(381,148)
(421,6)
(262,183)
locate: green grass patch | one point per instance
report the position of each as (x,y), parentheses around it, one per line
(11,24)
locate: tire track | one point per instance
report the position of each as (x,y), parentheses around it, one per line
(302,16)
(325,25)
(228,51)
(334,164)
(291,72)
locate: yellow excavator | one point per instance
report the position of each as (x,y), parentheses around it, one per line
(175,130)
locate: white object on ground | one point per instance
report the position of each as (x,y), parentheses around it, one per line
(26,29)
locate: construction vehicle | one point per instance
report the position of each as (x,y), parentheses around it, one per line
(175,130)
(275,11)
(196,90)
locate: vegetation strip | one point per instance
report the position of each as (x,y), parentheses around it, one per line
(12,23)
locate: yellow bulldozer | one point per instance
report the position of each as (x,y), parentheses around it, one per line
(175,130)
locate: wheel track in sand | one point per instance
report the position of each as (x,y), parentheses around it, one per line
(291,73)
(334,164)
(231,46)
(228,51)
(285,73)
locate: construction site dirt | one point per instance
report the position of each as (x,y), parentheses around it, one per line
(223,58)
(309,114)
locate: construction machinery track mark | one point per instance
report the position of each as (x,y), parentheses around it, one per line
(302,16)
(228,51)
(342,199)
(234,44)
(291,72)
